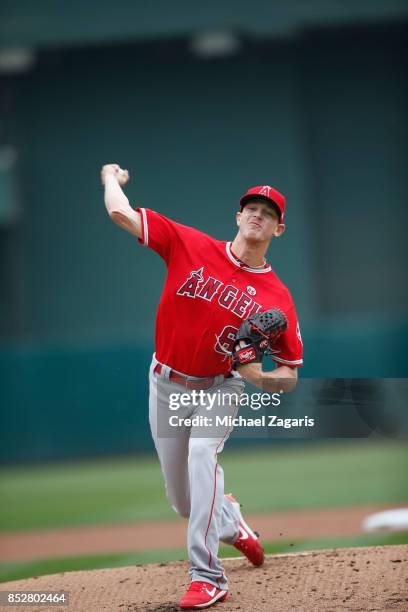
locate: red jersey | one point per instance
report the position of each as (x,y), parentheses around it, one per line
(207,294)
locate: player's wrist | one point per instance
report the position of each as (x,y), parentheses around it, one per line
(110,176)
(252,372)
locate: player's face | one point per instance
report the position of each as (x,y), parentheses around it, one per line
(259,222)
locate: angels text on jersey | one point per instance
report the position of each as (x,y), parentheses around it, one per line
(197,286)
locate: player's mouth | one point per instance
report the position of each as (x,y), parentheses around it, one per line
(255,224)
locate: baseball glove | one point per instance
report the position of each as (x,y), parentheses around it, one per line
(258,332)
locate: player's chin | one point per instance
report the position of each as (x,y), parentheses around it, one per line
(255,234)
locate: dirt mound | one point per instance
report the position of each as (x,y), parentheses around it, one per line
(345,579)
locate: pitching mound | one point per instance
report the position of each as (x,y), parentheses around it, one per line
(344,579)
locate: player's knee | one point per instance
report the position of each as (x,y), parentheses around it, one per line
(180,506)
(178,502)
(181,510)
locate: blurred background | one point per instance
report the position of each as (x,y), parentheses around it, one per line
(198,103)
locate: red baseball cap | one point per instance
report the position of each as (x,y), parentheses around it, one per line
(268,193)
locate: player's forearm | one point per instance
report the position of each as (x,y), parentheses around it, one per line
(115,199)
(118,207)
(282,378)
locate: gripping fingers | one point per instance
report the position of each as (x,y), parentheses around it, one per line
(114,169)
(123,176)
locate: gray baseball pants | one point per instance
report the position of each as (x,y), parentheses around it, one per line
(193,478)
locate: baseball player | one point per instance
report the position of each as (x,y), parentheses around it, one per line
(211,288)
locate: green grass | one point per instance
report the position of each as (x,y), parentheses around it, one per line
(123,490)
(27,569)
(327,475)
(116,490)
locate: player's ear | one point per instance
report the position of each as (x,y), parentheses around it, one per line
(238,217)
(279,230)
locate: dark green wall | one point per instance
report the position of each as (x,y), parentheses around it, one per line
(50,23)
(323,117)
(356,100)
(62,404)
(194,136)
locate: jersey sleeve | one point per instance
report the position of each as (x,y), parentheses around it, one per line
(159,233)
(288,348)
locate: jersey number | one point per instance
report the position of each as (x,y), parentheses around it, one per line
(225,341)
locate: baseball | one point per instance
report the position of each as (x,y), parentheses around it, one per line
(123,176)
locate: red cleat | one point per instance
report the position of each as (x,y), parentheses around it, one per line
(201,595)
(247,541)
